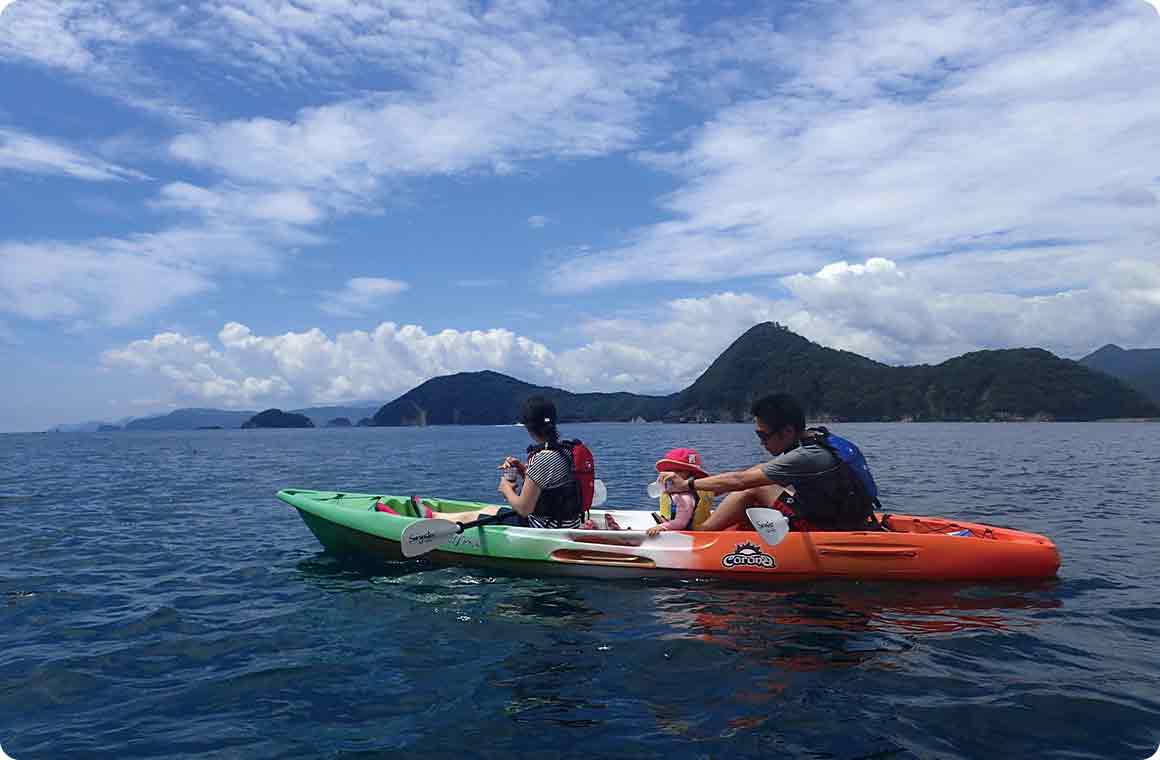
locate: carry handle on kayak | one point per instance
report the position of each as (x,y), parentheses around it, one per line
(422,536)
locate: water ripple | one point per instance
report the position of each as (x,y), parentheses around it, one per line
(171,607)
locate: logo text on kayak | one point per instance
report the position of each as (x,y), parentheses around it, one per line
(748,555)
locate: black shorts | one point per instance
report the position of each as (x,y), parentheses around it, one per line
(508,516)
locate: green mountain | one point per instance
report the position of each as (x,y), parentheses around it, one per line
(190,419)
(321,416)
(1138,367)
(489,398)
(195,419)
(769,357)
(276,418)
(1010,384)
(1023,383)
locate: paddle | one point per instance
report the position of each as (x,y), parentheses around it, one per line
(599,493)
(422,536)
(770,524)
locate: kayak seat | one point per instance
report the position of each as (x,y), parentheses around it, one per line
(381,507)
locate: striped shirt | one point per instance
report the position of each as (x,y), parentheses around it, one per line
(551,468)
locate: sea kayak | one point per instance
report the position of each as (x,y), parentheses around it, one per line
(371,526)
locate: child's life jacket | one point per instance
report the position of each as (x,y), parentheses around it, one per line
(700,511)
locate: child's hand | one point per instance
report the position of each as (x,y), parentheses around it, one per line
(673,483)
(655,530)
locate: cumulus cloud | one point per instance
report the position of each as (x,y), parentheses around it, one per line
(23,152)
(898,315)
(244,370)
(362,295)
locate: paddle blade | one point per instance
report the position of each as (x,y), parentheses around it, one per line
(422,536)
(599,494)
(770,524)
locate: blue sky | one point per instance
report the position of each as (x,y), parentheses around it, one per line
(255,203)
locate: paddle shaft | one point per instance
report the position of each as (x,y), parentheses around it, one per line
(476,523)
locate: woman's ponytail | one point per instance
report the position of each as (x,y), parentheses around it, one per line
(538,415)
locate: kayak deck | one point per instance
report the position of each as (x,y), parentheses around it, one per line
(914,548)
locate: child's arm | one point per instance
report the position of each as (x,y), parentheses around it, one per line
(683,506)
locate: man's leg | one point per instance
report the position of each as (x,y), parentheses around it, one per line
(732,508)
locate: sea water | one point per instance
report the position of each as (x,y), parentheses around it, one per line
(158,601)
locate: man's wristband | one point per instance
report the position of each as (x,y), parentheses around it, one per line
(689,484)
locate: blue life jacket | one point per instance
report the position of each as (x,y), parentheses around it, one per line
(861,492)
(850,455)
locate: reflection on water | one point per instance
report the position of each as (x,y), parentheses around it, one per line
(765,621)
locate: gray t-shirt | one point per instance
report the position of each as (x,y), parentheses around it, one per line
(812,471)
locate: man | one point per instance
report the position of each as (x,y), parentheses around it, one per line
(805,480)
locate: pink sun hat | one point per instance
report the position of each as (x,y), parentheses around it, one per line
(682,460)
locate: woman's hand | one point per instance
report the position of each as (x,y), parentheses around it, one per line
(655,530)
(513,462)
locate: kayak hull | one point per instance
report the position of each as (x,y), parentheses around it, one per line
(915,549)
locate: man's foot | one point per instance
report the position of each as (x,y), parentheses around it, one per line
(610,522)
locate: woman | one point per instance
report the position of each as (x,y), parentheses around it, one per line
(550,496)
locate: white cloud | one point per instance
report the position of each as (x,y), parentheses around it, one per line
(59,281)
(362,295)
(245,370)
(98,43)
(487,91)
(894,315)
(902,129)
(22,152)
(471,90)
(291,207)
(119,280)
(538,221)
(990,156)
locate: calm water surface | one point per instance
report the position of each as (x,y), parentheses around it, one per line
(158,601)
